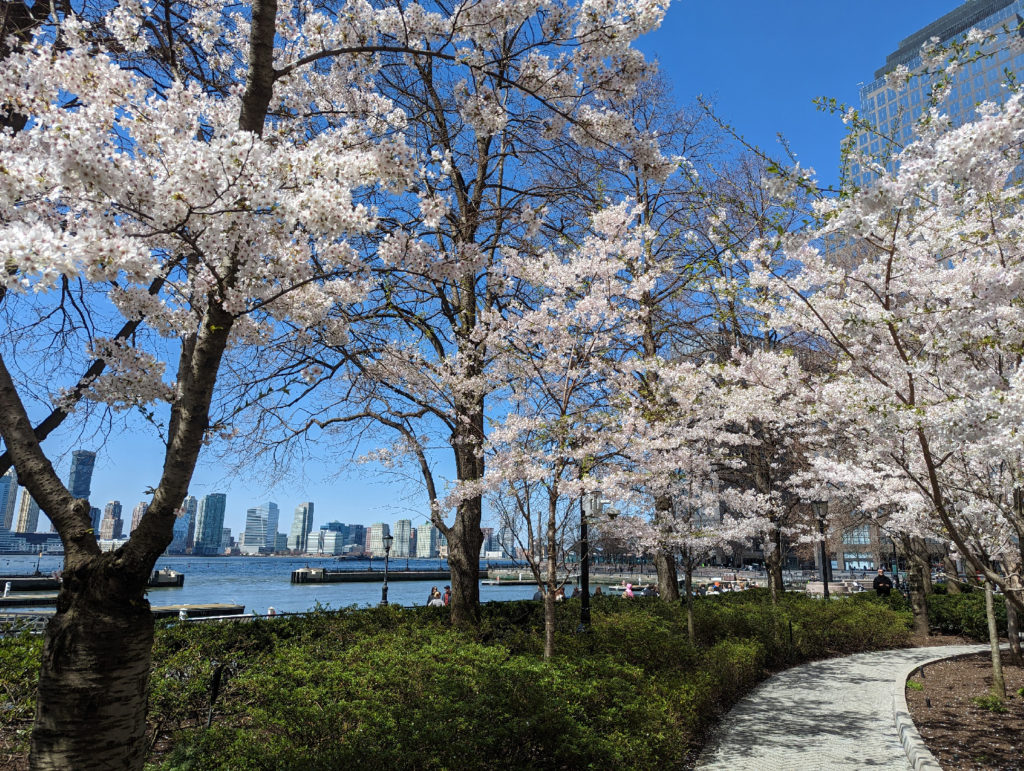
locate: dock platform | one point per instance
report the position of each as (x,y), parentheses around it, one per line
(324,576)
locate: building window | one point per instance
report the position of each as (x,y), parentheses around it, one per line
(858,561)
(858,535)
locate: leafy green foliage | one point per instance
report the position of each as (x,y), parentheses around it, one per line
(399,688)
(964,614)
(19,663)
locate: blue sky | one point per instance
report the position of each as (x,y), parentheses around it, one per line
(761,62)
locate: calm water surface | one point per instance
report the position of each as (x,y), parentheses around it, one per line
(259,583)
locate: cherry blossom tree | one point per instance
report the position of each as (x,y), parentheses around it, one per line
(510,84)
(200,214)
(915,283)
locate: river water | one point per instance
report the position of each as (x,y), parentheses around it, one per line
(260,583)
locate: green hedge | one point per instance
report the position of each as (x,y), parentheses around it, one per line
(964,614)
(400,689)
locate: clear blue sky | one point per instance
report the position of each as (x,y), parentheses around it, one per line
(762,62)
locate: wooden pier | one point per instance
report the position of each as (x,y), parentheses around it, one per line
(28,601)
(198,611)
(324,576)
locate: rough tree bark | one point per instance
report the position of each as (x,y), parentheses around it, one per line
(773,564)
(918,598)
(998,689)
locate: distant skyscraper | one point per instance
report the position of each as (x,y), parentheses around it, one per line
(261,528)
(301,525)
(210,523)
(375,538)
(8,499)
(184,523)
(226,541)
(80,478)
(426,541)
(506,541)
(895,108)
(28,514)
(111,525)
(403,538)
(96,519)
(190,506)
(138,513)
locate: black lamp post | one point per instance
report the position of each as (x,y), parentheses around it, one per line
(821,511)
(895,565)
(590,505)
(388,540)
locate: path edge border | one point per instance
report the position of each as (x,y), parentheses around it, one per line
(918,754)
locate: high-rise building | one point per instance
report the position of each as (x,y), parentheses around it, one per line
(260,528)
(301,525)
(210,523)
(28,514)
(80,478)
(8,499)
(111,525)
(95,519)
(189,507)
(375,538)
(894,108)
(506,541)
(403,538)
(426,541)
(138,513)
(184,523)
(226,541)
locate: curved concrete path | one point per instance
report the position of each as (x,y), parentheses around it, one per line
(832,715)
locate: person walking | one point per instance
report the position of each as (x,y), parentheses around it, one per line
(447,595)
(882,584)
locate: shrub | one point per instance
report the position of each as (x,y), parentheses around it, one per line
(964,614)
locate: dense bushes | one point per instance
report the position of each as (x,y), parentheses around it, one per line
(964,614)
(393,688)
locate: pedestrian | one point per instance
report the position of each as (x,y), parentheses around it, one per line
(576,592)
(447,595)
(882,584)
(598,592)
(538,595)
(628,593)
(433,591)
(435,600)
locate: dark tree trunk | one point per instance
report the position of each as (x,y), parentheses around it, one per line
(952,578)
(773,564)
(690,630)
(918,598)
(465,536)
(668,578)
(464,561)
(1013,633)
(91,705)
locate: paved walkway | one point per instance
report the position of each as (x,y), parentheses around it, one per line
(834,715)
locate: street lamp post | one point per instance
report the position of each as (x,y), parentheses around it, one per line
(821,511)
(895,565)
(388,540)
(589,506)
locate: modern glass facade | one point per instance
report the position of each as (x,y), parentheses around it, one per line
(80,478)
(8,499)
(375,540)
(894,109)
(426,541)
(210,523)
(302,523)
(403,538)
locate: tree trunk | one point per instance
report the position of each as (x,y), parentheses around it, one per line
(773,564)
(690,630)
(464,562)
(1013,633)
(91,704)
(918,598)
(466,537)
(668,578)
(998,684)
(952,577)
(919,555)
